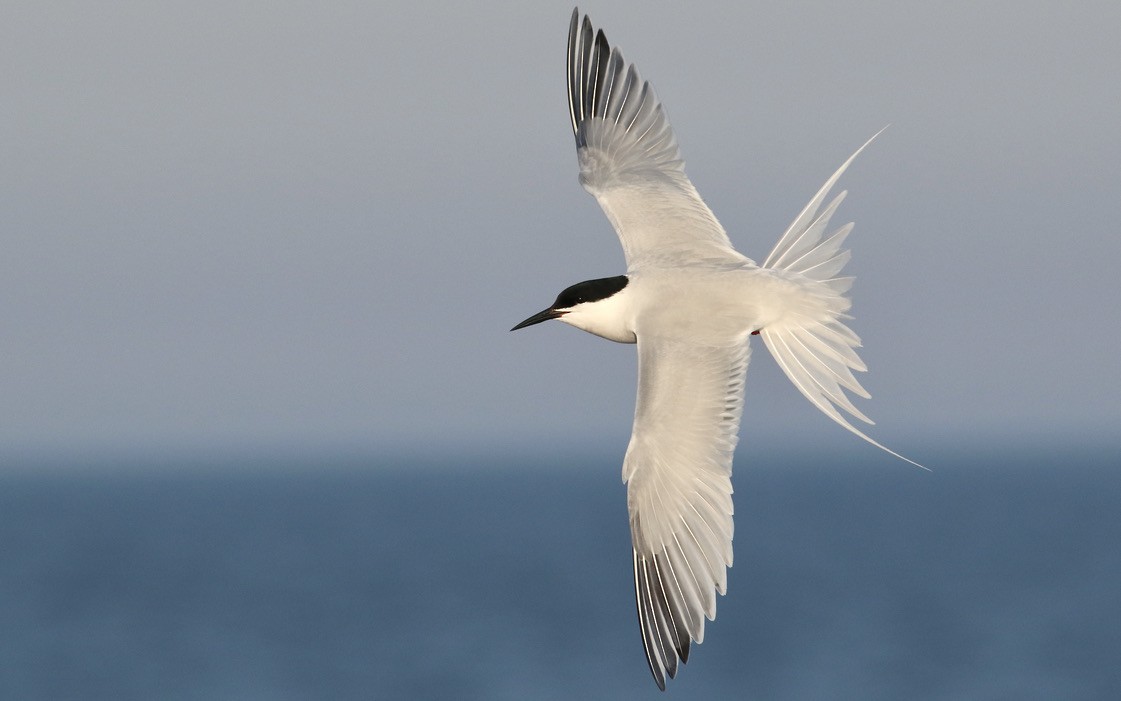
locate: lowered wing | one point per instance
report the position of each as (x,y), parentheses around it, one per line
(679,491)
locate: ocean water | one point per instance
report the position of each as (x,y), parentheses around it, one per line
(995,576)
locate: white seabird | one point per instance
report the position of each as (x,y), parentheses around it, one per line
(691,302)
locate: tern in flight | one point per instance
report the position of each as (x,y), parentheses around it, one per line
(690,302)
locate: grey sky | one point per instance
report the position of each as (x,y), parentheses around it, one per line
(311,224)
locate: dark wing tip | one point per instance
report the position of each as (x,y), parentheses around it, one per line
(588,62)
(601,42)
(661,623)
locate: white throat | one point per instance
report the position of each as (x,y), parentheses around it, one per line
(611,318)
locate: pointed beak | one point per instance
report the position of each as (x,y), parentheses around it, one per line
(538,318)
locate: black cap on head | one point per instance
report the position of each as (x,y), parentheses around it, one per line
(590,291)
(581,292)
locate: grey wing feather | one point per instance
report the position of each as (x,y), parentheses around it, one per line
(629,160)
(679,491)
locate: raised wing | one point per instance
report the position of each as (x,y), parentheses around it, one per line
(678,471)
(629,159)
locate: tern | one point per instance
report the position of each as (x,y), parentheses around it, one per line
(691,302)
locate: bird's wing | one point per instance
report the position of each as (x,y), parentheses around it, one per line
(629,159)
(678,470)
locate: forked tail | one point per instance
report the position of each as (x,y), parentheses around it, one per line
(819,354)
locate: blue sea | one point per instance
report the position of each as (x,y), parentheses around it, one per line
(995,576)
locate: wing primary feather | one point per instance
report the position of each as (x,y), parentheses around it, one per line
(638,110)
(688,580)
(704,583)
(716,542)
(607,88)
(586,38)
(627,106)
(571,68)
(601,56)
(713,567)
(667,648)
(681,612)
(695,626)
(646,624)
(672,596)
(618,86)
